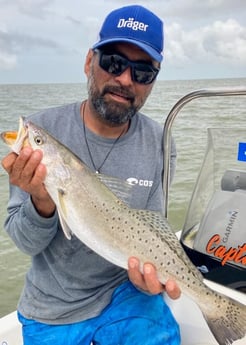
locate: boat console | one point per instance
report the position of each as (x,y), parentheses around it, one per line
(214,232)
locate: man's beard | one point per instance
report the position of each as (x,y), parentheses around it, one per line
(111,112)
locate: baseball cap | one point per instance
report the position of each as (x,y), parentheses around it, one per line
(133,24)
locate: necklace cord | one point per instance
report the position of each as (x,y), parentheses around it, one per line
(98,170)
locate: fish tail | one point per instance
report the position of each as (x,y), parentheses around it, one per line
(226,319)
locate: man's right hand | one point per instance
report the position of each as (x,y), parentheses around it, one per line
(28,173)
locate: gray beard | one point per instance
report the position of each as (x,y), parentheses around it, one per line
(112,113)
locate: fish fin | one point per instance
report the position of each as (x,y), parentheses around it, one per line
(121,188)
(228,321)
(155,219)
(67,232)
(62,214)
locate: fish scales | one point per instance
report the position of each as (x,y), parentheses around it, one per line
(88,209)
(133,232)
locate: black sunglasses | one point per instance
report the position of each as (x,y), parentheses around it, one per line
(116,64)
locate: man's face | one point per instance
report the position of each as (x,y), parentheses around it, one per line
(116,98)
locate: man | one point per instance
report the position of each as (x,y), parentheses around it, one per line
(72,295)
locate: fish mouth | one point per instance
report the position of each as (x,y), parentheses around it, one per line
(9,137)
(16,140)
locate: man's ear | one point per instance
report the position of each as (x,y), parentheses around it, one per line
(88,60)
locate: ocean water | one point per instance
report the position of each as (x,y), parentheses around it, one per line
(189,130)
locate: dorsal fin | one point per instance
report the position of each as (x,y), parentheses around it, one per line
(121,188)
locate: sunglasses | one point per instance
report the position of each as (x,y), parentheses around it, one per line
(116,64)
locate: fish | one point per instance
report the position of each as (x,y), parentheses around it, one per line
(95,208)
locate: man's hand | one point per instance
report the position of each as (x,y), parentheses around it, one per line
(148,281)
(26,171)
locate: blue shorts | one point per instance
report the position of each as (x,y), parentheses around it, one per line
(131,318)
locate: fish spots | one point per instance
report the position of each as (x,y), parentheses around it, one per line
(61,191)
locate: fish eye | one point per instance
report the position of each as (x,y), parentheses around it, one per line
(38,140)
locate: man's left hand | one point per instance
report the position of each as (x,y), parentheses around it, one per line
(148,280)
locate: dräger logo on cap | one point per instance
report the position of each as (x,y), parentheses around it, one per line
(132,24)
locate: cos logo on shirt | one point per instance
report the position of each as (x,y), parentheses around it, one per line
(143,183)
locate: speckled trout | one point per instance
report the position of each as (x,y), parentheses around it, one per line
(91,208)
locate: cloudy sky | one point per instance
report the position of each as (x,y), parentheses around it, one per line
(45,41)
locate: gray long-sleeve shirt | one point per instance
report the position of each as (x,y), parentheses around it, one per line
(68,282)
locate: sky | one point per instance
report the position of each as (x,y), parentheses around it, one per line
(46,41)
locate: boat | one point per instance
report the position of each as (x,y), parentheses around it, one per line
(213,234)
(209,203)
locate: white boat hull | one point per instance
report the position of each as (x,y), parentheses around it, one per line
(10,330)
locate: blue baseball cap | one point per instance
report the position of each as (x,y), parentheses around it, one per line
(133,24)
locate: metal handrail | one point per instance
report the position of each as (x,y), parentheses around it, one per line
(235,91)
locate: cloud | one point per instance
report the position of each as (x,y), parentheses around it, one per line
(226,41)
(206,33)
(190,12)
(7,61)
(73,20)
(218,42)
(14,44)
(38,8)
(8,58)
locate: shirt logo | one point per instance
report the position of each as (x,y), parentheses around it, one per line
(142,183)
(132,24)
